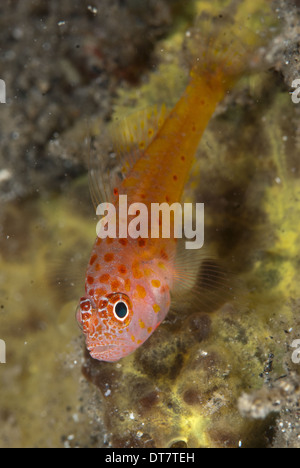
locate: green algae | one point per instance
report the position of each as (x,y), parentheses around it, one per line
(40,400)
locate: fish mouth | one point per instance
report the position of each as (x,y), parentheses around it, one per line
(108,353)
(103,348)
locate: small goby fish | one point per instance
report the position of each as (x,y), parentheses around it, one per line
(129,281)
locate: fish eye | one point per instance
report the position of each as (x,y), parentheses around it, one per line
(121,310)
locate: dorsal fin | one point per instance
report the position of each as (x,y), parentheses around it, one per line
(99,174)
(132,135)
(126,140)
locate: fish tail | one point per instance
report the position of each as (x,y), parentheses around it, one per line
(226,46)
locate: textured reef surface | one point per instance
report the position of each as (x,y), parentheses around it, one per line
(215,374)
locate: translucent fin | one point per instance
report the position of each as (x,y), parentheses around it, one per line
(101,170)
(125,141)
(67,274)
(132,135)
(231,43)
(200,282)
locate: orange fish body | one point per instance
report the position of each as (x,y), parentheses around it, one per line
(128,281)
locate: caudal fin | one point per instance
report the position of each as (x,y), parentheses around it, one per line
(232,42)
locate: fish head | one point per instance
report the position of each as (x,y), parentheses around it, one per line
(117,324)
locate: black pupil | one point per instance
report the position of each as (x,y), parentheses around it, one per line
(121,310)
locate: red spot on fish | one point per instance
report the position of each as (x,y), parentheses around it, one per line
(90,280)
(85,304)
(100,292)
(142,242)
(164,255)
(164,289)
(122,269)
(108,257)
(123,242)
(104,278)
(93,259)
(115,285)
(103,304)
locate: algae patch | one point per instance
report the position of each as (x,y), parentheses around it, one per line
(40,384)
